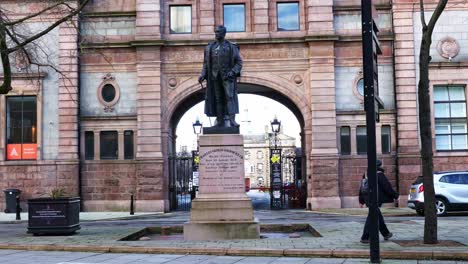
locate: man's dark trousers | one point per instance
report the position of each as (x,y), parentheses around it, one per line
(382,226)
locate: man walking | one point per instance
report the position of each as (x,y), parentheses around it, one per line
(221,65)
(385,194)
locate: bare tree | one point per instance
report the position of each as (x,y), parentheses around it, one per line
(14,39)
(430,221)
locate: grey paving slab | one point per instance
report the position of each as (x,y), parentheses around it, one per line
(285,260)
(326,261)
(223,260)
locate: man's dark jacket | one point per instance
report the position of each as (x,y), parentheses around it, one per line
(232,63)
(385,194)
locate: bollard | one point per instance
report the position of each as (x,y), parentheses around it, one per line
(132,212)
(18,208)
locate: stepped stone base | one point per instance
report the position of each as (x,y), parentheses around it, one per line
(221,230)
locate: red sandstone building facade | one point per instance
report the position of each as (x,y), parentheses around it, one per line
(105,130)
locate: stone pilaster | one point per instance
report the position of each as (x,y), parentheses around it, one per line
(68,92)
(406,96)
(151,196)
(207,19)
(260,18)
(324,185)
(320,17)
(148,21)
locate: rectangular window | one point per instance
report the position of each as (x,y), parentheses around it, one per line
(345,139)
(89,145)
(259,167)
(361,140)
(288,16)
(21,126)
(128,145)
(234,17)
(450,118)
(109,145)
(385,138)
(259,154)
(181,19)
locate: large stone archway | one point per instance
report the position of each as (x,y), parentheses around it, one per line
(292,92)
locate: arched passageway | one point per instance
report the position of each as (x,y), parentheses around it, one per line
(256,147)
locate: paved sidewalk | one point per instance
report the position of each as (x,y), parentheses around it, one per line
(340,238)
(47,257)
(84,216)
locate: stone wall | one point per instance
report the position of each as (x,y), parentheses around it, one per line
(107,186)
(37,179)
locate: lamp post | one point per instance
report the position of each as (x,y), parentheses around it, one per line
(197,129)
(276,127)
(276,182)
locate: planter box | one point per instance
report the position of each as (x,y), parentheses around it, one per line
(54,216)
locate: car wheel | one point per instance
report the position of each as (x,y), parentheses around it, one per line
(441,207)
(420,212)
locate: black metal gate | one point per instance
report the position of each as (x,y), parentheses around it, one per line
(180,183)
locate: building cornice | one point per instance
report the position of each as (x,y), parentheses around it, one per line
(448,64)
(111,14)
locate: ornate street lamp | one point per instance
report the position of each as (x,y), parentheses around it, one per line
(275,127)
(197,127)
(276,181)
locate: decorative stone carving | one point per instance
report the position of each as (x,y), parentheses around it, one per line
(172,82)
(108,92)
(21,60)
(448,48)
(297,79)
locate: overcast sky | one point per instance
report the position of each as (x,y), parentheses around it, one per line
(256,112)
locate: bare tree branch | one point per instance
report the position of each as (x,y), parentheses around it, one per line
(437,12)
(11,23)
(423,17)
(50,28)
(11,41)
(6,85)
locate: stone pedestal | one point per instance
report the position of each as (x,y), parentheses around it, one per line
(222,210)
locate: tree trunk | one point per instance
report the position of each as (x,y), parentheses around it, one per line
(6,85)
(430,221)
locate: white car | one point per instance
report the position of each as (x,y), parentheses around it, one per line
(451,191)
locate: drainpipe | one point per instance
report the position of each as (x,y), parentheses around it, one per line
(78,101)
(397,174)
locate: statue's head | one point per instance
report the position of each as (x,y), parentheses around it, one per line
(220,32)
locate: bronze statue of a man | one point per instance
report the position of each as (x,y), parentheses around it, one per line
(222,64)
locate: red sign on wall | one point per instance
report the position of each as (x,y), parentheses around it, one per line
(21,151)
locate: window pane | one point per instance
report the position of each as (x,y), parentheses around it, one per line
(14,120)
(443,142)
(457,93)
(181,19)
(386,137)
(459,142)
(288,16)
(361,139)
(464,178)
(109,145)
(128,145)
(21,120)
(345,139)
(440,93)
(234,17)
(459,126)
(441,110)
(89,145)
(442,127)
(259,154)
(360,86)
(458,110)
(29,120)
